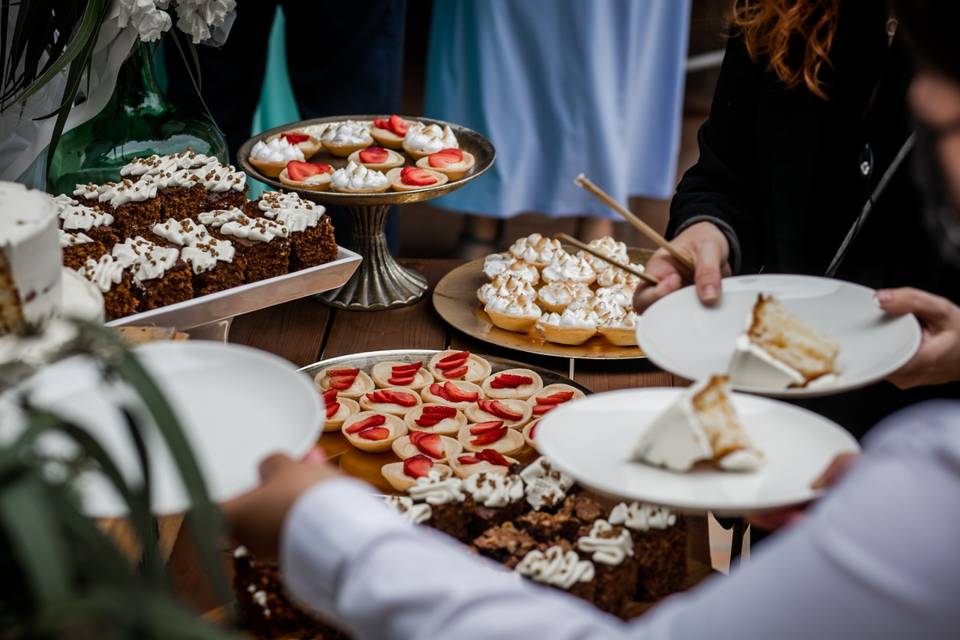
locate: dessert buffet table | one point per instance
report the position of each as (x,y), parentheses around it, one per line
(306,331)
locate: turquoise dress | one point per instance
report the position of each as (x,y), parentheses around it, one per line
(562,87)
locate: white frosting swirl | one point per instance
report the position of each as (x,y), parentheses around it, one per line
(429,138)
(221,177)
(258,229)
(290,210)
(71,239)
(104,273)
(407,509)
(494,489)
(356,177)
(349,132)
(119,193)
(276,150)
(517,306)
(155,165)
(74,215)
(569,268)
(146,259)
(180,232)
(642,517)
(606,546)
(556,567)
(434,489)
(219,217)
(204,254)
(544,485)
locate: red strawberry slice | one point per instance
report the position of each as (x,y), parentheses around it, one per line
(459,372)
(375,433)
(468,459)
(398,125)
(373,421)
(330,395)
(332,408)
(343,373)
(445,157)
(406,369)
(453,360)
(439,410)
(401,382)
(556,398)
(428,421)
(298,170)
(499,409)
(510,381)
(396,397)
(456,394)
(428,443)
(376,396)
(342,383)
(493,457)
(438,390)
(543,409)
(381,123)
(488,438)
(295,138)
(533,430)
(374,155)
(417,466)
(486,427)
(417,177)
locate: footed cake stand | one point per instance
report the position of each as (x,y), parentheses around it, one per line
(380,282)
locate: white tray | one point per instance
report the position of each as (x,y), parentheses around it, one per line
(209,316)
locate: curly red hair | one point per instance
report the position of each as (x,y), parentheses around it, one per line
(794,36)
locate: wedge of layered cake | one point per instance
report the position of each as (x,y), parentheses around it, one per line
(701,426)
(779,351)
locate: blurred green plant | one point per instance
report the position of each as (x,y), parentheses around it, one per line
(63,577)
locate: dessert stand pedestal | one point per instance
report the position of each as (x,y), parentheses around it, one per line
(380,282)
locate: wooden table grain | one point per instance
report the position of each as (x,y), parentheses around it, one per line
(305,331)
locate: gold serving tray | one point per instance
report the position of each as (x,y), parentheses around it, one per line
(455,299)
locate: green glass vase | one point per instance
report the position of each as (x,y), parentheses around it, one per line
(137,121)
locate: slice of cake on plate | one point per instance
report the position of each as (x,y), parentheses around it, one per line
(701,426)
(779,351)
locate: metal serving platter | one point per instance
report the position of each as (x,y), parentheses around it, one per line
(214,311)
(469,140)
(366,466)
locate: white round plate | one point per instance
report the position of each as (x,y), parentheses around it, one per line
(693,341)
(236,405)
(592,439)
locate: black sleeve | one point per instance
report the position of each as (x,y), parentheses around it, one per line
(723,186)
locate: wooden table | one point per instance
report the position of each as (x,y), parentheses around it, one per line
(306,331)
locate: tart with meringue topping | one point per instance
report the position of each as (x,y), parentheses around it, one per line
(610,247)
(349,382)
(537,250)
(514,413)
(377,158)
(270,158)
(457,394)
(513,313)
(314,176)
(620,330)
(404,474)
(411,375)
(433,417)
(433,445)
(412,178)
(568,268)
(454,163)
(491,435)
(373,431)
(423,139)
(303,140)
(458,365)
(356,178)
(557,296)
(343,138)
(516,384)
(505,286)
(392,400)
(574,326)
(389,132)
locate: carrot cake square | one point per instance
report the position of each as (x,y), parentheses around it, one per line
(163,278)
(312,239)
(79,217)
(78,247)
(214,262)
(263,244)
(133,205)
(120,295)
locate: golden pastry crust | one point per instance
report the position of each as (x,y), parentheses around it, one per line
(269,168)
(619,336)
(392,423)
(386,138)
(566,335)
(453,171)
(529,431)
(507,322)
(323,185)
(520,392)
(398,185)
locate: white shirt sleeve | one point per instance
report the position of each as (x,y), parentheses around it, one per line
(877,559)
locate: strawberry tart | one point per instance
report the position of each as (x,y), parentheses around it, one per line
(404,474)
(551,397)
(423,139)
(432,417)
(395,401)
(458,365)
(491,435)
(313,176)
(349,382)
(372,431)
(458,394)
(410,375)
(377,158)
(514,413)
(389,132)
(516,384)
(337,410)
(454,163)
(412,178)
(436,447)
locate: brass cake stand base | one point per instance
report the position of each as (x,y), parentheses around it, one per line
(380,282)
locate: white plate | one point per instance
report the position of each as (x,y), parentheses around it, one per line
(236,405)
(591,439)
(693,341)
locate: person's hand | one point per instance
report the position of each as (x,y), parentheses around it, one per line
(773,520)
(256,518)
(938,359)
(710,251)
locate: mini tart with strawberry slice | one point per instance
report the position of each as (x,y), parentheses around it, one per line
(436,447)
(458,365)
(514,413)
(389,132)
(454,163)
(314,176)
(459,395)
(530,432)
(350,382)
(484,461)
(432,417)
(410,375)
(491,435)
(392,400)
(413,178)
(404,474)
(551,397)
(373,431)
(377,158)
(515,384)
(308,144)
(337,409)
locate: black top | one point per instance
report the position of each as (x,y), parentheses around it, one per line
(782,168)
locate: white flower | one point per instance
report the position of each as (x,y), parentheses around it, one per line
(146,16)
(197,17)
